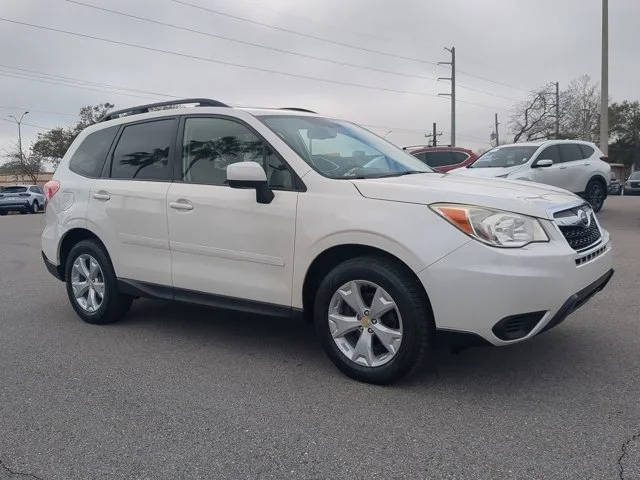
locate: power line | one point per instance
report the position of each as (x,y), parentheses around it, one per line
(302,34)
(213,60)
(4,107)
(29,124)
(252,44)
(231,64)
(66,84)
(335,42)
(63,78)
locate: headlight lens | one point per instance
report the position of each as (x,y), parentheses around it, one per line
(493,227)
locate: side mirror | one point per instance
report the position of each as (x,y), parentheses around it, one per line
(250,175)
(543,163)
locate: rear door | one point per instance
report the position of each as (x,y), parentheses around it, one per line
(127,207)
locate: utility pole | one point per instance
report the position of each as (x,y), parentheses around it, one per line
(497,134)
(557,84)
(604,81)
(434,136)
(452,94)
(19,122)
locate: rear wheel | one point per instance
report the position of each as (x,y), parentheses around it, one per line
(3,213)
(595,194)
(373,319)
(91,284)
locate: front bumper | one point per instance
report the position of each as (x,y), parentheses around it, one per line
(475,287)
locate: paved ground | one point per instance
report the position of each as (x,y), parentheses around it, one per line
(184,392)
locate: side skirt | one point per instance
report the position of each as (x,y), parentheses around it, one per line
(151,290)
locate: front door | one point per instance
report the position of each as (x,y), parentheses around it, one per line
(557,174)
(222,240)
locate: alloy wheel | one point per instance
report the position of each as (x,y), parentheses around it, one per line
(365,323)
(87,282)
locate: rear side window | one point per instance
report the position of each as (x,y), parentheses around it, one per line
(35,189)
(143,151)
(587,151)
(459,157)
(438,159)
(89,157)
(570,152)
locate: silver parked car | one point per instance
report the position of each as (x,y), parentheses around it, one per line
(21,198)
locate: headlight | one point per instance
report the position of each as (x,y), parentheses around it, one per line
(493,227)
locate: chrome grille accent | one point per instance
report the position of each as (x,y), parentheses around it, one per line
(579,227)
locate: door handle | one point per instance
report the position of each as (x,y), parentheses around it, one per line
(181,205)
(587,163)
(101,195)
(562,168)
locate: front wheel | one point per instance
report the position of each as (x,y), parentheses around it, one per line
(595,194)
(91,284)
(35,207)
(373,319)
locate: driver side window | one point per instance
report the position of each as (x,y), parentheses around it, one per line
(551,153)
(212,144)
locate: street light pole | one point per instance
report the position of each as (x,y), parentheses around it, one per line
(604,81)
(19,122)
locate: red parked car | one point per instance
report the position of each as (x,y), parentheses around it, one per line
(442,159)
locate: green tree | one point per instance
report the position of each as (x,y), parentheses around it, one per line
(54,143)
(624,130)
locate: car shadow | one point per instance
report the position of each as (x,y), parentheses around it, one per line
(557,357)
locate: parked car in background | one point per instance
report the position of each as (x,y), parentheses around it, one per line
(21,198)
(632,185)
(442,159)
(285,212)
(574,165)
(615,187)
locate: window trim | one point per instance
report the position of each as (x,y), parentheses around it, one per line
(106,171)
(106,159)
(298,184)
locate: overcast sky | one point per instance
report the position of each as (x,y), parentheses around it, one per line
(517,44)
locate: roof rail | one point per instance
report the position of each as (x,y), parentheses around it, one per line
(297,109)
(202,102)
(415,146)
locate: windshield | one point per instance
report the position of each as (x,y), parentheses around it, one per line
(635,176)
(14,189)
(338,149)
(504,157)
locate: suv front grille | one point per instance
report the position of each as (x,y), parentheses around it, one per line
(579,227)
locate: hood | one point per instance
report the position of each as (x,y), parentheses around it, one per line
(486,172)
(523,197)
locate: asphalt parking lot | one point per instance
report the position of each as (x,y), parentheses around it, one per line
(177,391)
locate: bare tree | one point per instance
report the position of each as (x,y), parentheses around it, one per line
(579,106)
(20,165)
(534,118)
(579,110)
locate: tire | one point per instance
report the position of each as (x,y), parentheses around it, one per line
(3,213)
(112,305)
(595,194)
(411,317)
(35,207)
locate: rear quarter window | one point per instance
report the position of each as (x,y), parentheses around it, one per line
(89,157)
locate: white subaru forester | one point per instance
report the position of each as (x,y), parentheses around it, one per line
(283,211)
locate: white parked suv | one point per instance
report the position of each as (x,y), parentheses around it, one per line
(570,164)
(285,212)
